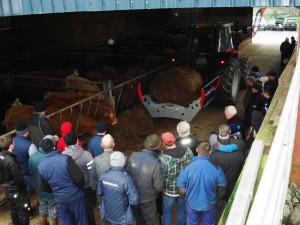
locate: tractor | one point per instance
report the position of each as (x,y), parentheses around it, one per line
(209,50)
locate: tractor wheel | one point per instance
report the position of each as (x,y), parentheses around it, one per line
(245,71)
(228,91)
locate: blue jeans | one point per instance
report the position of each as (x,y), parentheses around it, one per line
(48,208)
(194,217)
(168,204)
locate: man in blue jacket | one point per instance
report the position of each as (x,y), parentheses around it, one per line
(94,145)
(47,204)
(61,175)
(202,183)
(120,197)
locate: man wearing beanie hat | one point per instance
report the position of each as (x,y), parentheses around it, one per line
(120,197)
(94,145)
(47,204)
(229,154)
(59,174)
(256,102)
(146,173)
(84,160)
(12,183)
(173,160)
(39,125)
(23,149)
(185,139)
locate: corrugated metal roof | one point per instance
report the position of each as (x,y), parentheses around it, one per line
(29,7)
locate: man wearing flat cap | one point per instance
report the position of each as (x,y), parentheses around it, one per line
(39,125)
(172,160)
(229,155)
(146,172)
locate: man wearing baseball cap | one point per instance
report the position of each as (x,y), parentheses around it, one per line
(173,159)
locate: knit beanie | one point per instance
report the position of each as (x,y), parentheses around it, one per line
(117,159)
(70,138)
(47,145)
(224,135)
(101,127)
(21,127)
(40,106)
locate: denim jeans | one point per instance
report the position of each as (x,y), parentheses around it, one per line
(168,204)
(48,208)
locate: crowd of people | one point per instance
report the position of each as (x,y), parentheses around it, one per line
(196,176)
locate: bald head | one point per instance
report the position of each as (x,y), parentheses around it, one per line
(107,142)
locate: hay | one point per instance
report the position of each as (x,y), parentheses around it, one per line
(178,85)
(132,128)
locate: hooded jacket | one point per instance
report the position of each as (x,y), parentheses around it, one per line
(65,128)
(172,161)
(83,159)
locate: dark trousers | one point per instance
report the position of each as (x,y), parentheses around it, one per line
(72,212)
(90,201)
(18,203)
(147,214)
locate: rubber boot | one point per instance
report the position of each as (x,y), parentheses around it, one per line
(53,221)
(43,220)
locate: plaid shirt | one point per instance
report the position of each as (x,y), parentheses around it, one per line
(171,169)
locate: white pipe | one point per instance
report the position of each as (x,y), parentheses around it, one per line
(243,195)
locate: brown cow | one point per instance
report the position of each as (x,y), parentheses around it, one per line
(81,86)
(24,112)
(92,108)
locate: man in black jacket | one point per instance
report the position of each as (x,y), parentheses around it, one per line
(185,139)
(229,155)
(146,172)
(11,181)
(39,125)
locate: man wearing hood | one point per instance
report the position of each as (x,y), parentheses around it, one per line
(84,161)
(65,128)
(172,160)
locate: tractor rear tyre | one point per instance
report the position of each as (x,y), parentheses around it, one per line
(228,91)
(245,71)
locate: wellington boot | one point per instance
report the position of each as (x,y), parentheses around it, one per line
(43,220)
(53,221)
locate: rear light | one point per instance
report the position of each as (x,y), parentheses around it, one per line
(173,60)
(222,62)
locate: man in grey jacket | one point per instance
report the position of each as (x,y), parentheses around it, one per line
(84,160)
(146,172)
